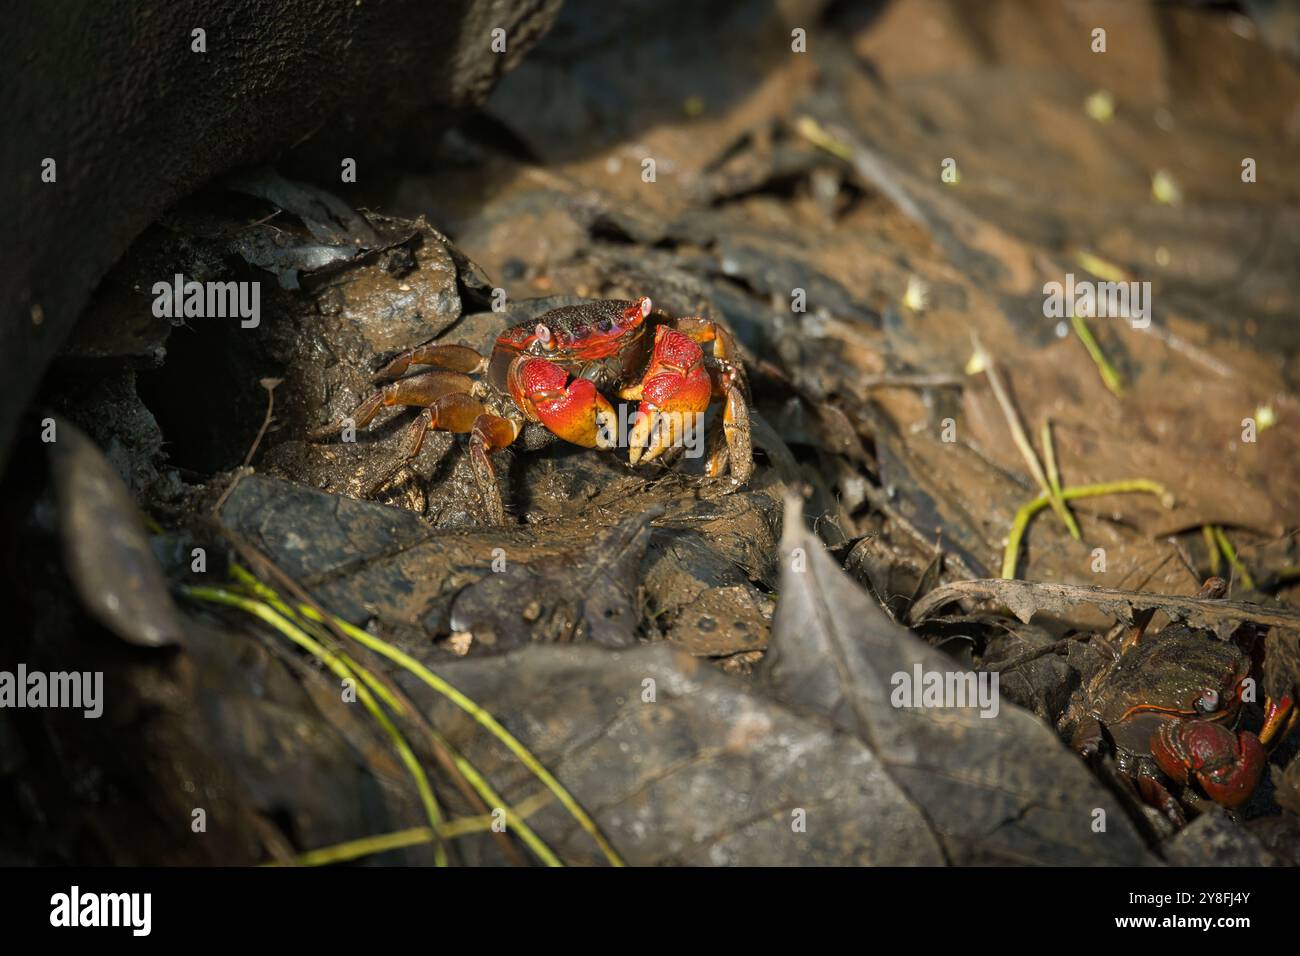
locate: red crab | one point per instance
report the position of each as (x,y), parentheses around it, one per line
(1171,702)
(555,372)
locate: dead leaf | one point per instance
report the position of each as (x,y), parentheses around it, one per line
(1000,788)
(105,546)
(678,763)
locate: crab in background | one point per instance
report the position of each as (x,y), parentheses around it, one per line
(557,373)
(1170,703)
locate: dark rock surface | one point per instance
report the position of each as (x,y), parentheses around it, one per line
(109,92)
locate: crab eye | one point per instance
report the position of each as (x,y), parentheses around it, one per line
(544,336)
(1208,702)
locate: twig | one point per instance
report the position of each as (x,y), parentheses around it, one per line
(1054,480)
(1052,647)
(240,474)
(1185,559)
(244,470)
(1024,599)
(1018,431)
(269,384)
(1156,570)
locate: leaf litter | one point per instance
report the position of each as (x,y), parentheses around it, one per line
(649,641)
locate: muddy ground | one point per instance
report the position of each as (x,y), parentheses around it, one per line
(705,667)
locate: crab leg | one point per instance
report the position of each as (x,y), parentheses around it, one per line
(1279,721)
(1141,619)
(455,358)
(1211,590)
(1154,793)
(418,390)
(490,433)
(455,412)
(739,449)
(461,413)
(448,406)
(703,330)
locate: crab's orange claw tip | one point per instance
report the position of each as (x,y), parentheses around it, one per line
(656,430)
(640,434)
(580,414)
(1279,717)
(576,411)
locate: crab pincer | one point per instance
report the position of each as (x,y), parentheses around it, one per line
(572,409)
(1227,765)
(674,394)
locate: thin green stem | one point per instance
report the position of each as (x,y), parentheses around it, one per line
(366,846)
(1110,377)
(1011,553)
(310,617)
(1233,561)
(383,842)
(340,667)
(486,720)
(1054,483)
(1212,548)
(1018,436)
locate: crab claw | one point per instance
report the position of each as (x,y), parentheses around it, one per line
(674,393)
(573,410)
(1227,765)
(1279,719)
